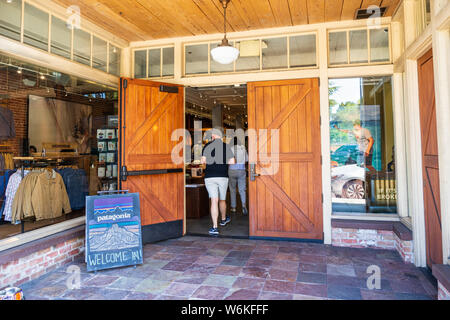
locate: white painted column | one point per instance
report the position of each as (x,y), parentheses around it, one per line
(325,133)
(414,150)
(400,145)
(126,63)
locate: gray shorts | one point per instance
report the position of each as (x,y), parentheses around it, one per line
(217,188)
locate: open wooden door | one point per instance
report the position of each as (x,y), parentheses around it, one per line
(430,160)
(149,113)
(287,203)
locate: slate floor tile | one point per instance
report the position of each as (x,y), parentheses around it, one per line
(152,286)
(278,274)
(312,277)
(219,281)
(243,294)
(275,296)
(228,270)
(176,266)
(279,286)
(343,293)
(316,290)
(254,272)
(210,293)
(181,289)
(100,281)
(249,283)
(341,270)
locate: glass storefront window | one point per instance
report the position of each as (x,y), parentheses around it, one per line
(358,46)
(168,61)
(154,63)
(196,59)
(114,60)
(249,56)
(140,64)
(379,45)
(82,46)
(274,53)
(11,19)
(35,27)
(100,54)
(61,38)
(302,51)
(362,146)
(337,43)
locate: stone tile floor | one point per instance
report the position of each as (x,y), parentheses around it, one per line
(217,269)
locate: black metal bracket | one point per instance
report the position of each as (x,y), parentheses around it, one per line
(124,173)
(168,89)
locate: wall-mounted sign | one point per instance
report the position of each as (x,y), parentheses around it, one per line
(113,231)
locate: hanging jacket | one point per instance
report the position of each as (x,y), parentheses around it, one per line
(7,129)
(49,197)
(11,190)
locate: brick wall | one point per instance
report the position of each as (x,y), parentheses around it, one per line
(370,238)
(36,264)
(13,87)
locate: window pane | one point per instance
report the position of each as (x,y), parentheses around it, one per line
(11,19)
(358,46)
(114,60)
(302,51)
(35,27)
(338,47)
(99,52)
(362,145)
(196,59)
(274,53)
(249,58)
(82,47)
(61,38)
(168,61)
(379,45)
(154,63)
(140,64)
(218,67)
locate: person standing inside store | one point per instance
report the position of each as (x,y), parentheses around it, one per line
(217,155)
(365,143)
(238,176)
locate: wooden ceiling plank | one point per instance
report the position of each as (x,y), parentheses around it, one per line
(235,16)
(170,17)
(133,11)
(264,12)
(196,16)
(391,6)
(333,10)
(299,11)
(368,3)
(281,12)
(212,13)
(316,11)
(105,18)
(242,10)
(349,8)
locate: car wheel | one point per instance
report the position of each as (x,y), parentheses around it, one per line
(354,190)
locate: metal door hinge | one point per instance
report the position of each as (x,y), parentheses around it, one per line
(125,83)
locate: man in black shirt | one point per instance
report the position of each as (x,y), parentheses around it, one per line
(217,155)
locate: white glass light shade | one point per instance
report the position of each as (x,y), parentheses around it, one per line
(225,54)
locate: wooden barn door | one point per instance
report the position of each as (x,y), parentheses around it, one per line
(430,161)
(149,113)
(286,203)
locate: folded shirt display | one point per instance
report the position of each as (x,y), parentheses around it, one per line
(77,186)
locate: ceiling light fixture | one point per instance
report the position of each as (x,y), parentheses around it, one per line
(225,53)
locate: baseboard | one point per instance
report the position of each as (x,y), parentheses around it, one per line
(162,231)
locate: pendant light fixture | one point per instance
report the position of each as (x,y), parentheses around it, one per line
(225,53)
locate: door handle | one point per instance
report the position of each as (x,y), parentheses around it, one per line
(253,173)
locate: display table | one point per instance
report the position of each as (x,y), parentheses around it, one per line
(197,201)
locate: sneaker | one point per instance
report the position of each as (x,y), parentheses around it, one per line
(223,223)
(233,210)
(214,231)
(244,211)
